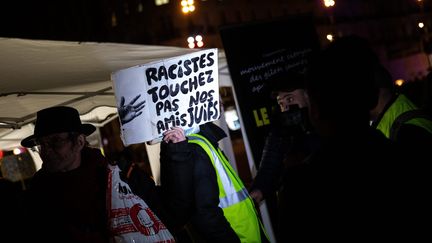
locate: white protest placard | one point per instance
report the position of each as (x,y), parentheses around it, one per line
(182,91)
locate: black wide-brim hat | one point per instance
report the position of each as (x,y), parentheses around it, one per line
(57,119)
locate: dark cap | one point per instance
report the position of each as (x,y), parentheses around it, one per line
(285,82)
(57,119)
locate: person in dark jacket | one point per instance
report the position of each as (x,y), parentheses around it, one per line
(399,119)
(354,187)
(290,140)
(66,199)
(190,180)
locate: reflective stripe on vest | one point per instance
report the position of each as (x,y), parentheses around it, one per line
(234,199)
(400,106)
(233,190)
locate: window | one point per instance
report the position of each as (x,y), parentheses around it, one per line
(161,2)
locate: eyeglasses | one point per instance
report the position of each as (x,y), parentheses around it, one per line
(55,141)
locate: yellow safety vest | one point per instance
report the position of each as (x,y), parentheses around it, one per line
(234,199)
(400,112)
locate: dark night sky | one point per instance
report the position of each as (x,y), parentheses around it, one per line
(89,20)
(57,20)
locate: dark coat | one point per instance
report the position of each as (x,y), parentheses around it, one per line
(354,187)
(69,206)
(415,139)
(191,191)
(289,141)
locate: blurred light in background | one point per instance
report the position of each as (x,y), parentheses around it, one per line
(232,119)
(196,41)
(399,82)
(17,151)
(420,25)
(187,6)
(329,3)
(161,2)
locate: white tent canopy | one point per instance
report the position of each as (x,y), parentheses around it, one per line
(36,74)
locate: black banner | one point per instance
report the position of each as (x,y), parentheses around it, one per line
(257,53)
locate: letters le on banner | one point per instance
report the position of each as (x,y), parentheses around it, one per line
(182,91)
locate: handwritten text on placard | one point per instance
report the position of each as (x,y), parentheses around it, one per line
(181,91)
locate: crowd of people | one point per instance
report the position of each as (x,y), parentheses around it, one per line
(347,158)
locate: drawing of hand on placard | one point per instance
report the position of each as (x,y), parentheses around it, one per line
(130,111)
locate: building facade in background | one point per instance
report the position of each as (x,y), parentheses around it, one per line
(399,29)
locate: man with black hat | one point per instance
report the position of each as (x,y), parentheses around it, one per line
(289,141)
(66,198)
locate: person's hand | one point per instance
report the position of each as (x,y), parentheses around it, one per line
(174,135)
(256,195)
(130,111)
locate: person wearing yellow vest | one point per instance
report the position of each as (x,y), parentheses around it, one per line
(205,194)
(399,119)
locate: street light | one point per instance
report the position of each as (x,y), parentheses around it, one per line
(425,44)
(187,6)
(196,41)
(421,25)
(329,3)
